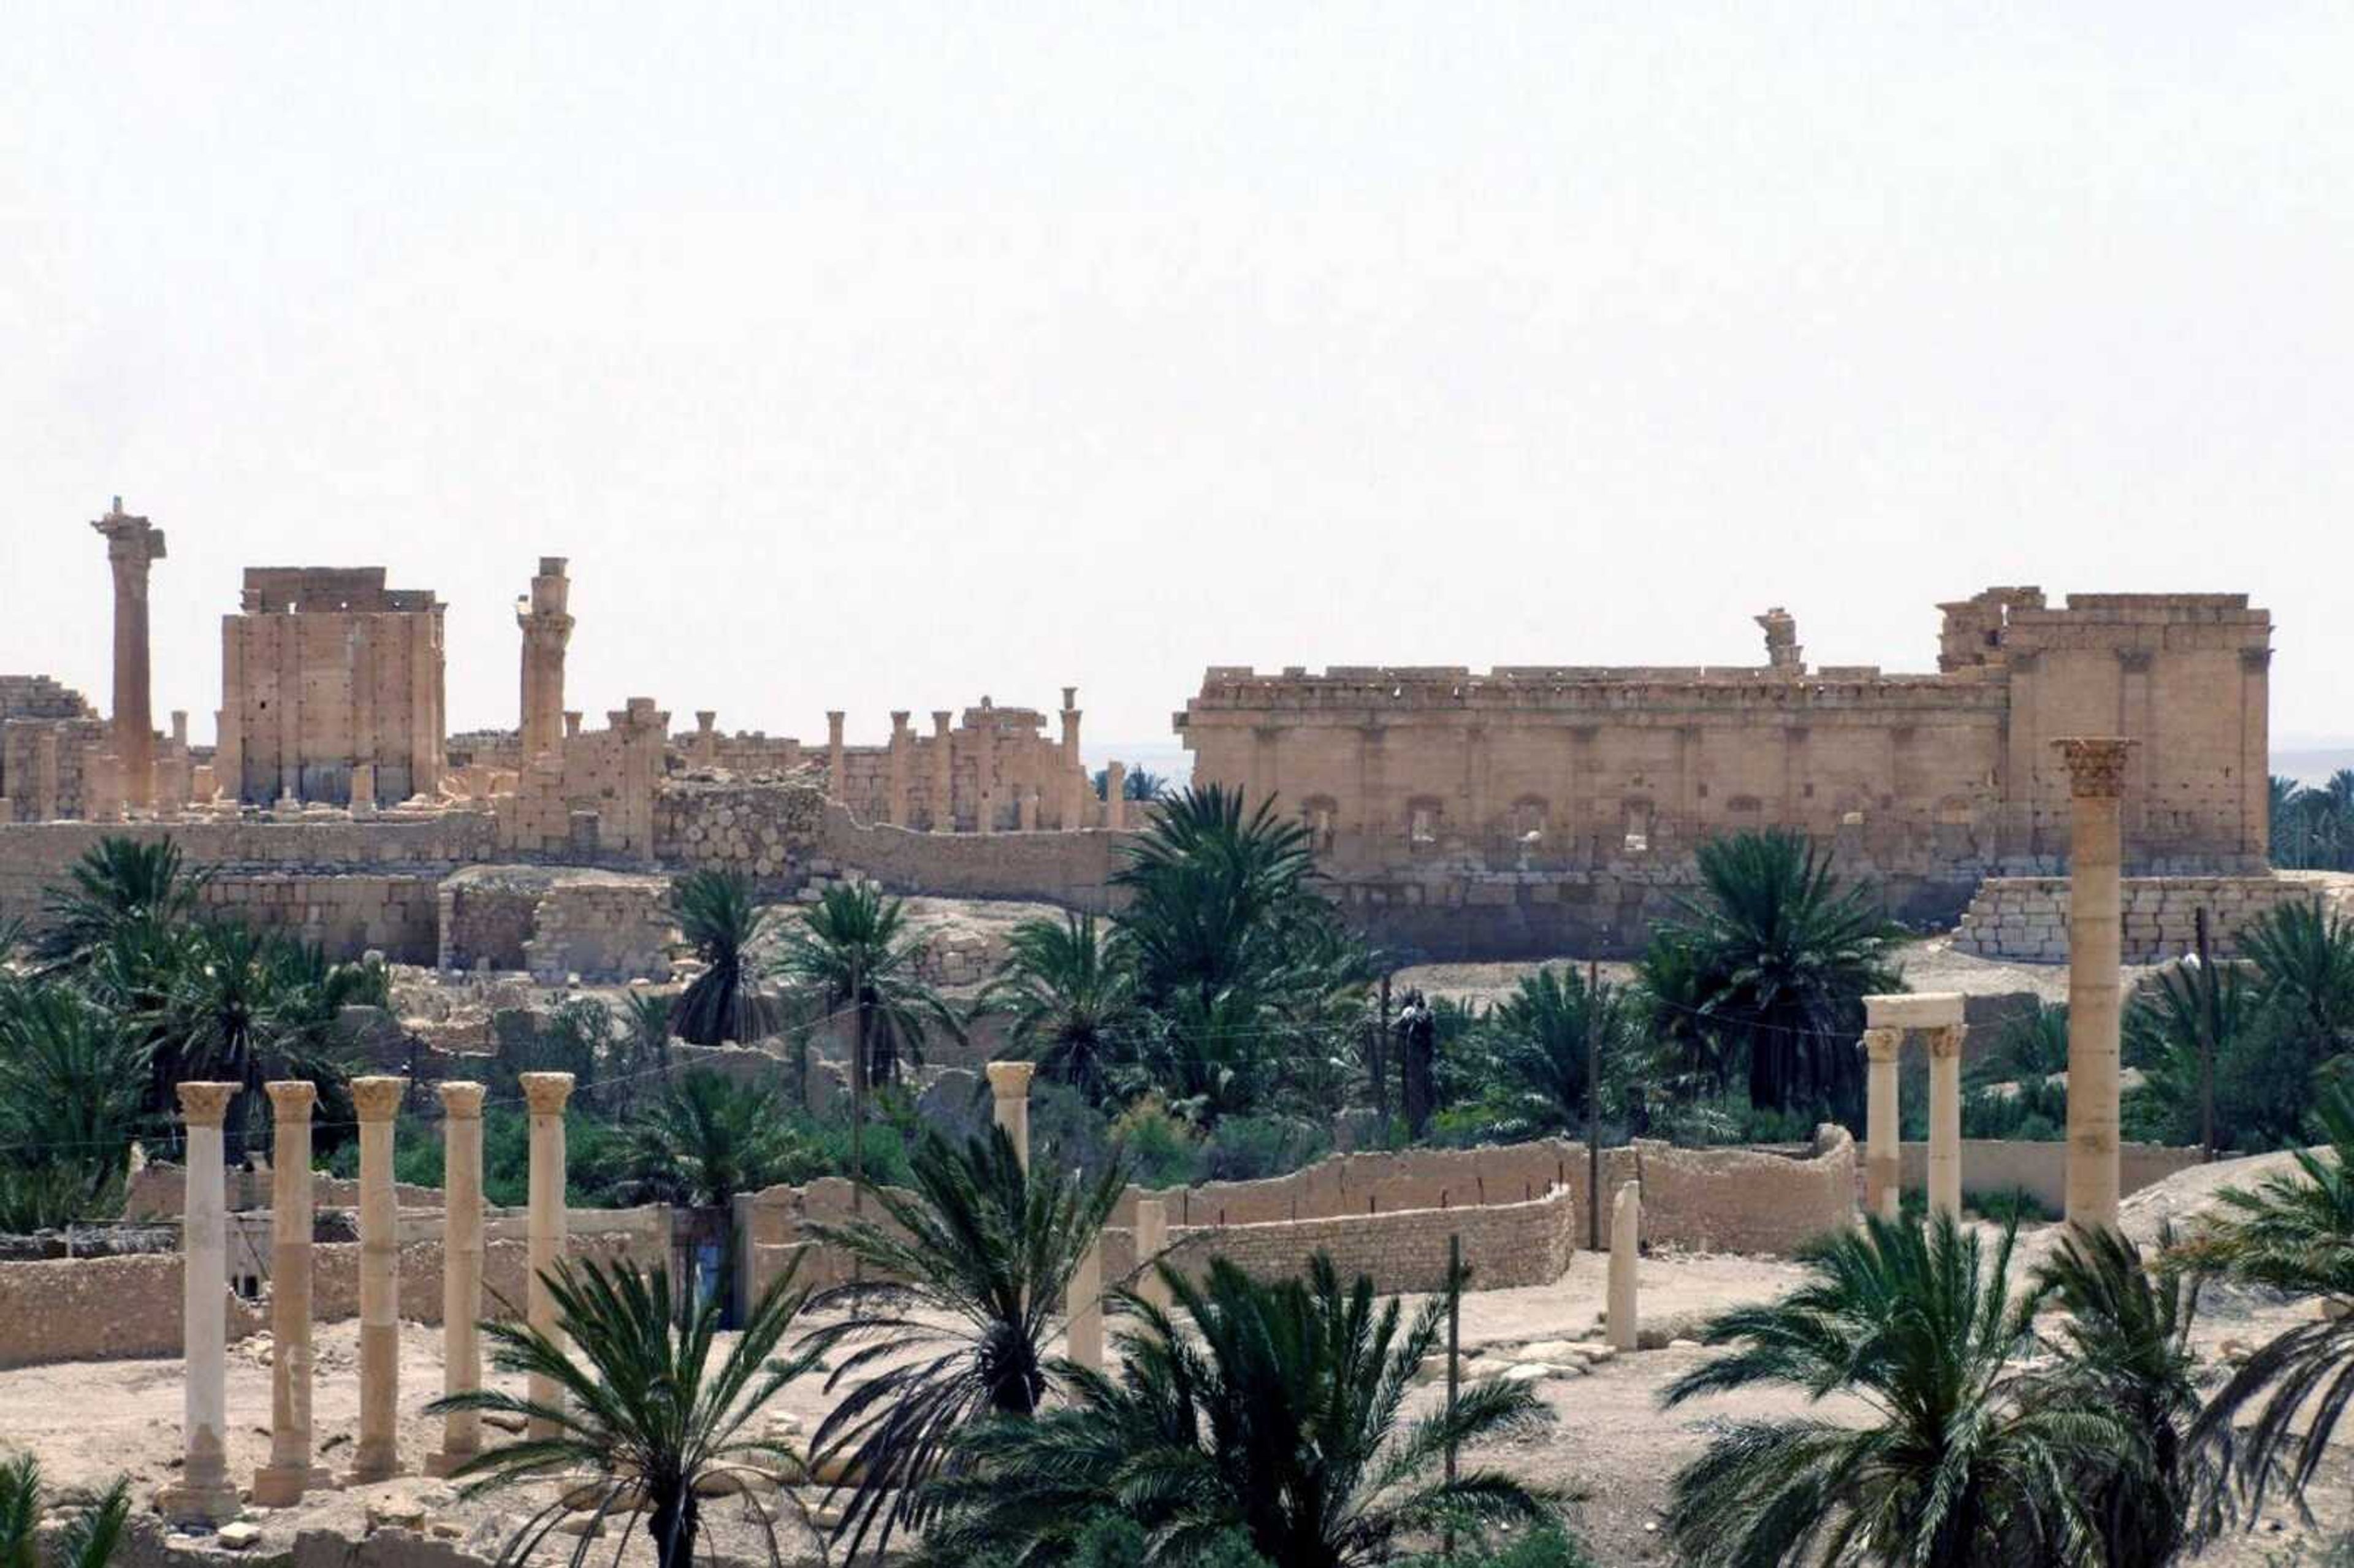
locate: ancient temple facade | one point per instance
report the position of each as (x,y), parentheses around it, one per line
(331,689)
(1423,783)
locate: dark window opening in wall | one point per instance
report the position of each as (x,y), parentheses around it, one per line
(1529,823)
(1422,819)
(1637,824)
(1319,814)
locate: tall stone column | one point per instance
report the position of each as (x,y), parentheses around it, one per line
(1116,796)
(2096,771)
(1009,1082)
(902,741)
(203,1493)
(1626,1254)
(1152,1241)
(546,628)
(1946,1120)
(462,1271)
(1074,793)
(837,758)
(705,750)
(290,1472)
(377,1101)
(984,770)
(545,1092)
(1082,1308)
(1884,1161)
(132,545)
(943,774)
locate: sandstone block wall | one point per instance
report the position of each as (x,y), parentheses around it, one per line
(2025,918)
(604,928)
(1531,801)
(346,914)
(323,670)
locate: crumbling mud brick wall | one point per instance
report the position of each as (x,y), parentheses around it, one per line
(1531,809)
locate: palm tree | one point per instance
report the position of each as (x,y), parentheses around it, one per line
(639,1406)
(855,946)
(708,1139)
(1787,956)
(118,882)
(73,1092)
(720,921)
(89,1538)
(2123,1347)
(2292,1232)
(1952,1467)
(1544,1033)
(1215,894)
(1270,1409)
(246,1007)
(2305,954)
(980,1241)
(1068,993)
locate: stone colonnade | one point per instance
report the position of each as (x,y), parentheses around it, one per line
(1886,1019)
(203,1495)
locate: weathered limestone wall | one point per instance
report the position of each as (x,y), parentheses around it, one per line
(97,1309)
(2025,918)
(1998,1166)
(765,830)
(1540,804)
(325,669)
(1068,868)
(604,927)
(376,874)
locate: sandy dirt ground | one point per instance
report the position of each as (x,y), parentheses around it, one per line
(1608,1446)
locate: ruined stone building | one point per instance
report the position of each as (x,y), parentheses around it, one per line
(330,688)
(1544,801)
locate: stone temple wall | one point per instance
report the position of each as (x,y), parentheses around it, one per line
(2025,918)
(1542,808)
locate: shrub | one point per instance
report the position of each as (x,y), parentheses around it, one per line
(1253,1147)
(1159,1147)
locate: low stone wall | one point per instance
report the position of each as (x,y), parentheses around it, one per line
(81,1310)
(2040,1169)
(1730,1200)
(1073,869)
(765,830)
(2025,918)
(363,877)
(603,927)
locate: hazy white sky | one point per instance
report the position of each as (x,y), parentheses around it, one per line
(874,357)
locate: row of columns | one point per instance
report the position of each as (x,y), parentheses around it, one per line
(203,1493)
(2096,773)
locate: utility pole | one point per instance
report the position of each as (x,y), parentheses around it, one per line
(2211,990)
(857,1081)
(1594,1099)
(1454,1358)
(1382,1096)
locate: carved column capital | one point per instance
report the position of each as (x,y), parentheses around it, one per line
(1883,1044)
(461,1101)
(546,1092)
(2096,765)
(206,1105)
(1010,1080)
(291,1099)
(1945,1041)
(377,1098)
